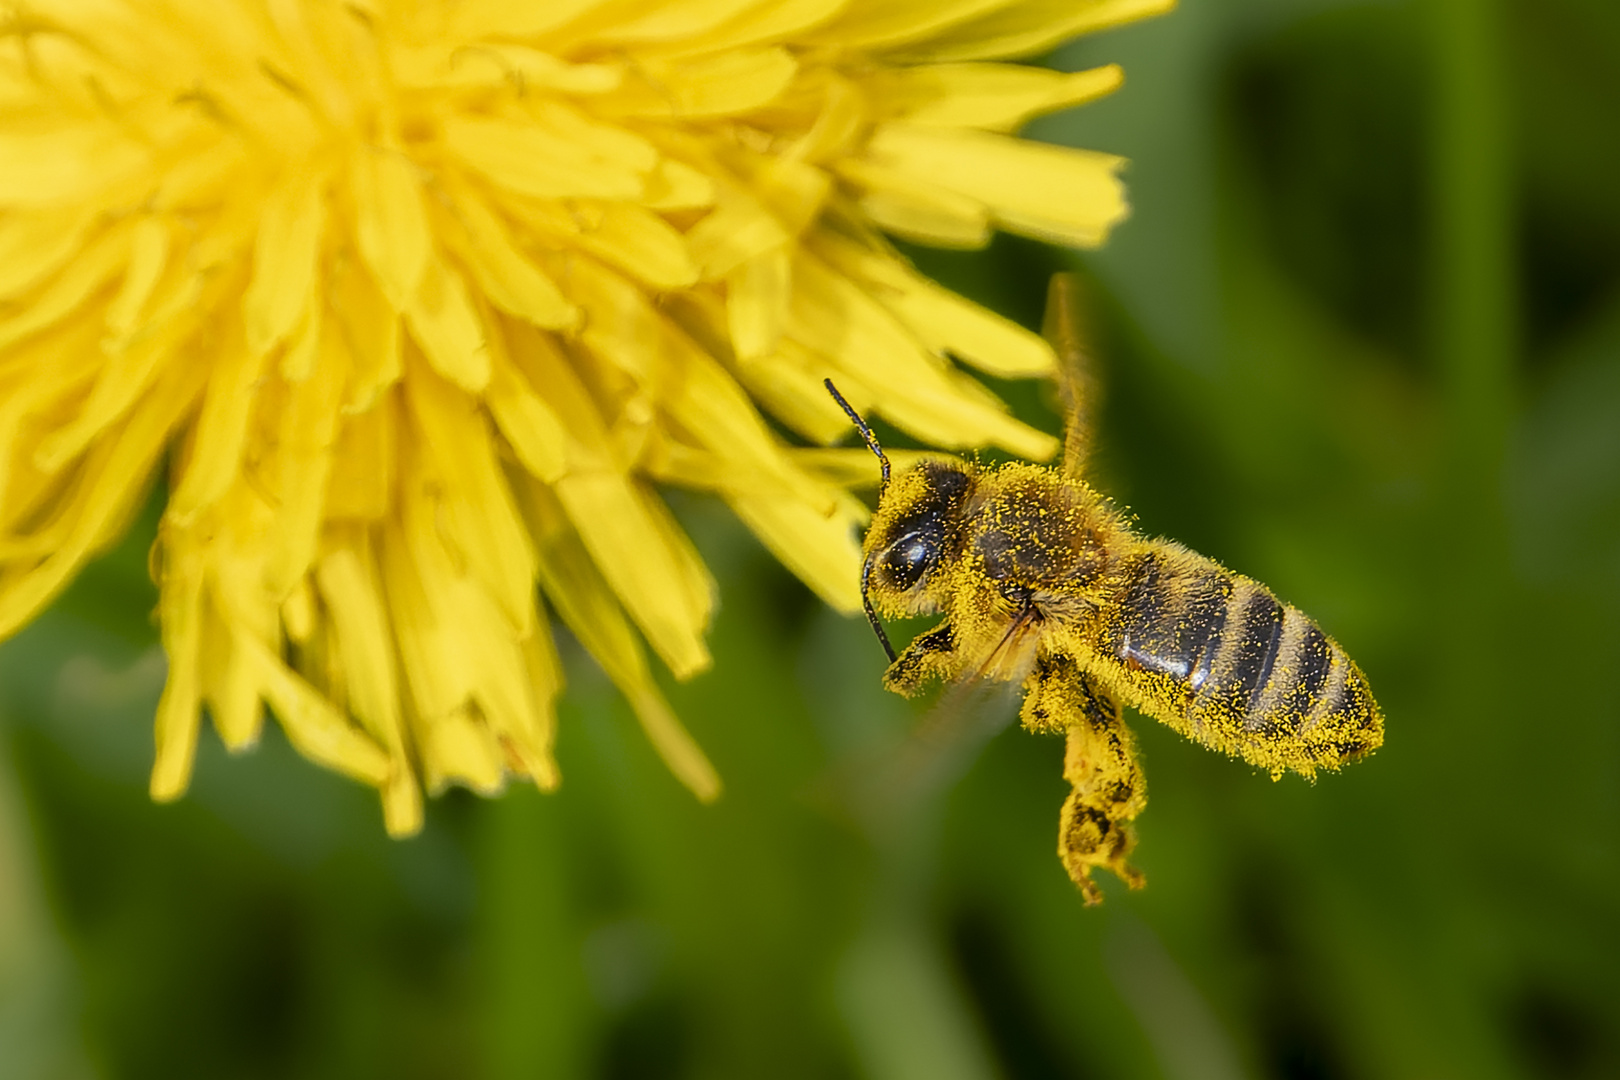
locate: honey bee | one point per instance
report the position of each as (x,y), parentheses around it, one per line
(1042,580)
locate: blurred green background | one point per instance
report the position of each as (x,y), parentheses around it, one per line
(1361,340)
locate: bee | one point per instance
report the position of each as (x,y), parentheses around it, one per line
(1043,581)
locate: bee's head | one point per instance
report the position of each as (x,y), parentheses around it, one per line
(913,530)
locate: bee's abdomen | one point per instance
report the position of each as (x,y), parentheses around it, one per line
(1216,654)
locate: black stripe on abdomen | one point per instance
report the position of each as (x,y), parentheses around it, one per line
(1173,620)
(1270,670)
(1254,630)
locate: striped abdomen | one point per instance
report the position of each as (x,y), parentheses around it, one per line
(1216,655)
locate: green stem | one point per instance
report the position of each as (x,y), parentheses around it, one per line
(537,1015)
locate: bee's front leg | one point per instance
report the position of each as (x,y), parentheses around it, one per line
(1099,761)
(928,656)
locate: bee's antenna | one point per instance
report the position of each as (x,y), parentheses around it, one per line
(866,433)
(866,567)
(871,615)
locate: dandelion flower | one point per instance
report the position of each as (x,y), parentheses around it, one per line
(418,304)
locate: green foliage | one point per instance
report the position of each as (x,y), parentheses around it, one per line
(1361,341)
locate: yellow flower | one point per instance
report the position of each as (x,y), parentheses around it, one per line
(420,301)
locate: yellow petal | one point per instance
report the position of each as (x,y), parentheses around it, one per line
(610,515)
(434,682)
(642,244)
(458,749)
(105,495)
(794,192)
(355,606)
(646,574)
(202,178)
(231,686)
(402,802)
(491,64)
(625,330)
(447,327)
(888,24)
(24,404)
(842,118)
(574,585)
(525,419)
(478,18)
(468,671)
(529,160)
(857,467)
(692,576)
(1030,27)
(715,412)
(757,295)
(670,20)
(991,97)
(917,209)
(819,548)
(180,609)
(298,465)
(521,725)
(941,319)
(222,429)
(626,236)
(391,224)
(594,139)
(784,381)
(370,332)
(313,726)
(438,649)
(304,347)
(513,283)
(348,582)
(284,260)
(361,486)
(774,21)
(34,244)
(867,347)
(76,283)
(298,614)
(122,380)
(1052,193)
(721,84)
(54,166)
(546,678)
(739,230)
(674,185)
(673,742)
(474,509)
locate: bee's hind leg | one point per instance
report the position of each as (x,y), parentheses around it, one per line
(1099,761)
(927,656)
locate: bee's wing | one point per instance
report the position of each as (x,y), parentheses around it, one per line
(1066,329)
(969,712)
(942,747)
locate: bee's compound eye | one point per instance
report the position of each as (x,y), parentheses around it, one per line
(908,557)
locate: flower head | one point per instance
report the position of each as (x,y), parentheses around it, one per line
(421,301)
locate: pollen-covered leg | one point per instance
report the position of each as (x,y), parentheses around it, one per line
(928,656)
(1049,707)
(1100,762)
